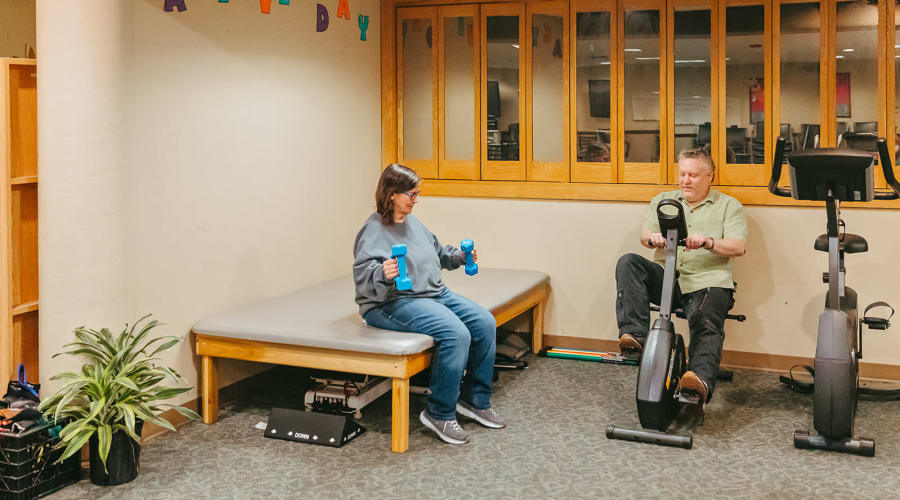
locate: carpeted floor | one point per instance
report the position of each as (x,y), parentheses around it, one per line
(554,447)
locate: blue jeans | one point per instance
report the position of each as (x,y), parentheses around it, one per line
(465,335)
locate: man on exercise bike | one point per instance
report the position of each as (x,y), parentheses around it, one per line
(717,231)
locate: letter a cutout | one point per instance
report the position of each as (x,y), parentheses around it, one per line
(343,9)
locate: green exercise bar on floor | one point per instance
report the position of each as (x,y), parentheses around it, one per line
(597,356)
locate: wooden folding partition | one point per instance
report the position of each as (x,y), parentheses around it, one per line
(618,175)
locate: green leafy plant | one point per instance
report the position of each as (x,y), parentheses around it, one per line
(118,385)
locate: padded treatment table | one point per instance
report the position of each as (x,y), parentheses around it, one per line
(319,327)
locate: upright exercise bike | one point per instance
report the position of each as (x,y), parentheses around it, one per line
(663,361)
(834,175)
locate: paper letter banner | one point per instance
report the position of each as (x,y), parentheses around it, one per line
(470,34)
(557,49)
(547,33)
(428,37)
(171,4)
(343,9)
(265,6)
(321,18)
(363,26)
(460,26)
(535,33)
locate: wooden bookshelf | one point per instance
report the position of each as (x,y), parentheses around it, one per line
(18,218)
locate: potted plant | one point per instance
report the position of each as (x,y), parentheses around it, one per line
(117,390)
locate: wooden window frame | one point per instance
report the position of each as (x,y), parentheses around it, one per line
(426,168)
(881,89)
(716,139)
(745,174)
(887,78)
(585,171)
(587,180)
(826,128)
(459,169)
(640,172)
(504,170)
(536,170)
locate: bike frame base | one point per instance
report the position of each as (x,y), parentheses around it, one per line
(806,441)
(651,437)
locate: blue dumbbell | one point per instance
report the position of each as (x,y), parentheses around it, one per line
(403,282)
(467,246)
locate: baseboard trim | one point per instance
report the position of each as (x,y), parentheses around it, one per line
(738,359)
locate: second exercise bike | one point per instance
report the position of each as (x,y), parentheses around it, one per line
(836,175)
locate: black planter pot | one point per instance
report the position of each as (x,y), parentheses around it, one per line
(123,461)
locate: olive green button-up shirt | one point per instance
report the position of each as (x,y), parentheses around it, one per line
(717,216)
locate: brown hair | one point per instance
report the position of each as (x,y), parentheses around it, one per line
(701,154)
(394,179)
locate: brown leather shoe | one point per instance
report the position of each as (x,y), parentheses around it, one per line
(691,384)
(628,344)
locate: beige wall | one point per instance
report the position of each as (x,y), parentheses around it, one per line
(577,243)
(242,160)
(17,33)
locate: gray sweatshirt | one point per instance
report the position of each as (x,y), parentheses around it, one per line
(425,257)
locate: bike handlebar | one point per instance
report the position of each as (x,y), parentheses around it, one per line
(886,167)
(888,170)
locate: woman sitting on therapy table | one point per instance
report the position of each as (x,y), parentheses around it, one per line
(465,334)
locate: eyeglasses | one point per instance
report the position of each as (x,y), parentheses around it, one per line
(413,195)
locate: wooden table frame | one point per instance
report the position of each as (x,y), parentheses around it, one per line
(399,367)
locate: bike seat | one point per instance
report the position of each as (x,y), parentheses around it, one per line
(849,243)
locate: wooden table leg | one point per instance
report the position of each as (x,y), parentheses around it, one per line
(537,325)
(209,389)
(400,415)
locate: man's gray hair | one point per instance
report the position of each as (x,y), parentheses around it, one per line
(701,154)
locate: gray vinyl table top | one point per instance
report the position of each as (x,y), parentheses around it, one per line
(325,315)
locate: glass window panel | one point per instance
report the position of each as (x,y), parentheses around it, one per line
(896,81)
(592,100)
(418,140)
(856,68)
(502,92)
(641,86)
(799,71)
(459,88)
(547,88)
(745,103)
(692,79)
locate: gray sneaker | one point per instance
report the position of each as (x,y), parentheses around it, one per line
(487,418)
(448,430)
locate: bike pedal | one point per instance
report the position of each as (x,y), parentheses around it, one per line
(631,354)
(689,398)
